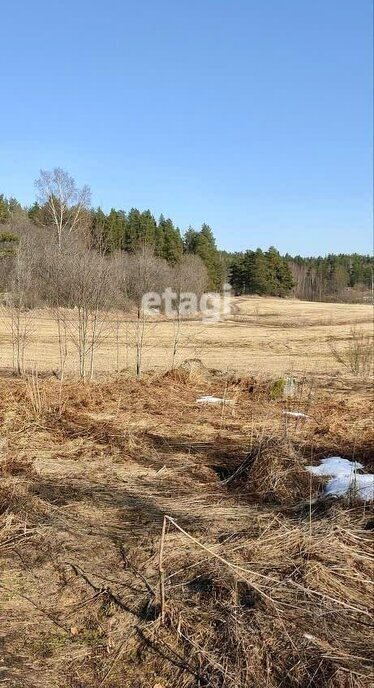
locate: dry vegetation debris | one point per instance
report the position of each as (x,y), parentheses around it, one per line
(263,584)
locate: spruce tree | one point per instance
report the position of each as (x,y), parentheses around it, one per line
(203,244)
(257,270)
(115,229)
(132,230)
(140,230)
(148,226)
(190,240)
(35,213)
(237,275)
(168,241)
(98,230)
(8,206)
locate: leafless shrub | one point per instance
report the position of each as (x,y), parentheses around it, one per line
(357,357)
(144,272)
(77,285)
(17,309)
(189,276)
(89,284)
(55,290)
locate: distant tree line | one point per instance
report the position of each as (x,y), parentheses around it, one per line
(259,272)
(63,213)
(335,277)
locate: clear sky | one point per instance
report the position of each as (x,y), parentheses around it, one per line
(254,116)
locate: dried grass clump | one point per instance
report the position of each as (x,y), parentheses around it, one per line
(14,495)
(191,371)
(277,473)
(17,498)
(16,471)
(14,464)
(280,605)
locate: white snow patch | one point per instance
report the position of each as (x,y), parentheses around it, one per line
(209,400)
(360,486)
(344,478)
(212,400)
(335,466)
(295,414)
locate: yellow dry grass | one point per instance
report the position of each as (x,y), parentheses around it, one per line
(262,335)
(264,585)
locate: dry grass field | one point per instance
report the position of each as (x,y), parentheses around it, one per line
(262,336)
(249,582)
(149,541)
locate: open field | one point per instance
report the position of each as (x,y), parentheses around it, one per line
(253,582)
(149,541)
(262,335)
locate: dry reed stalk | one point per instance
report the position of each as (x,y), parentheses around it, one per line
(161,569)
(34,392)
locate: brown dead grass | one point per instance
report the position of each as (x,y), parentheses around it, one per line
(264,586)
(262,335)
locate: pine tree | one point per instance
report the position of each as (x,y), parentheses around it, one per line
(98,230)
(237,275)
(285,278)
(147,228)
(132,230)
(140,230)
(4,209)
(272,259)
(258,275)
(255,272)
(8,206)
(159,236)
(190,240)
(168,243)
(203,244)
(115,230)
(279,276)
(35,213)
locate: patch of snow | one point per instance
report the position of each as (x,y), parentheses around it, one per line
(344,479)
(295,414)
(209,400)
(335,466)
(360,486)
(212,400)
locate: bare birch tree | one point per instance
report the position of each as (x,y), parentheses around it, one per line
(66,205)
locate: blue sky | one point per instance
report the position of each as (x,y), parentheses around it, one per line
(252,115)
